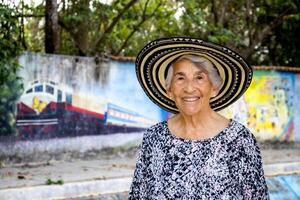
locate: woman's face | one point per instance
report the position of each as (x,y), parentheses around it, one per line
(190,88)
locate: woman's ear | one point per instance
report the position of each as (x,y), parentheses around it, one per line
(214,93)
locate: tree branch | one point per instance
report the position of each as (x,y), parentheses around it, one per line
(73,36)
(113,23)
(219,12)
(260,35)
(215,12)
(29,15)
(248,19)
(223,13)
(138,25)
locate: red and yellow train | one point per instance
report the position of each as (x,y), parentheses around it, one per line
(47,109)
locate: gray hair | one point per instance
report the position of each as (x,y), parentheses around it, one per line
(200,62)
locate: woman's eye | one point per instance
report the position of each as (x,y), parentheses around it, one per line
(199,77)
(179,78)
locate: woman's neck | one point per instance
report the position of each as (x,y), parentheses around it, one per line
(201,126)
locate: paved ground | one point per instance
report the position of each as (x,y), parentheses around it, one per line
(280,188)
(108,176)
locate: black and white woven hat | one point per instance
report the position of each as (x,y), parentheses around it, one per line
(154,60)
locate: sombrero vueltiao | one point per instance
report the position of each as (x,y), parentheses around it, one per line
(154,60)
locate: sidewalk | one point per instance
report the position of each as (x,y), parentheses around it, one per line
(104,175)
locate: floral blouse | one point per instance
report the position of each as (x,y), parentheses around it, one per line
(227,166)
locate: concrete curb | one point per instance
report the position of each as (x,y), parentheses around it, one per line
(67,190)
(282,169)
(112,185)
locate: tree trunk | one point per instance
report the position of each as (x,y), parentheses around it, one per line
(52,36)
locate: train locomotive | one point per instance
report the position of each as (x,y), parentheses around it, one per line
(47,109)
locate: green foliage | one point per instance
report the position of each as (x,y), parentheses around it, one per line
(283,46)
(35,36)
(9,43)
(256,29)
(151,21)
(10,86)
(223,36)
(264,31)
(52,182)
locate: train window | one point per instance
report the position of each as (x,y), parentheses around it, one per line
(29,91)
(38,88)
(69,98)
(59,96)
(49,89)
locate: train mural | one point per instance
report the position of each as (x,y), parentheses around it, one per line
(48,109)
(73,96)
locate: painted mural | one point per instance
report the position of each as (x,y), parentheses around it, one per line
(73,96)
(267,108)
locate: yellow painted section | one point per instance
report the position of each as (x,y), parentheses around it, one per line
(267,112)
(38,105)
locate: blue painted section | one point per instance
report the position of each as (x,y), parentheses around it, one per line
(123,89)
(297,109)
(121,109)
(284,187)
(293,181)
(118,119)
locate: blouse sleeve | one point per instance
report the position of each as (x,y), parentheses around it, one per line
(138,185)
(254,184)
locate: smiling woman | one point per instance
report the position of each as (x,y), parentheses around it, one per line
(191,89)
(190,77)
(197,153)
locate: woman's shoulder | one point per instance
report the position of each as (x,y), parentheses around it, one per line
(239,129)
(156,130)
(157,126)
(245,132)
(244,136)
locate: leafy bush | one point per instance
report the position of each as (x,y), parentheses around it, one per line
(10,84)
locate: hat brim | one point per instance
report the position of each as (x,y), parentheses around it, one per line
(155,58)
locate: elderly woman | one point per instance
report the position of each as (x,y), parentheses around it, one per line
(197,153)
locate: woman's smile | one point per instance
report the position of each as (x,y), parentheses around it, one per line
(190,99)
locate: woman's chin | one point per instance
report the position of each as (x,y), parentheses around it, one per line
(193,110)
(190,111)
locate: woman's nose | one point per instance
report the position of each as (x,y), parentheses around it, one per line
(189,87)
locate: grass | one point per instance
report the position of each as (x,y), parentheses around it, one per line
(52,182)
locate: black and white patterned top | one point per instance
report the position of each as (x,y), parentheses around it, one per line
(227,166)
